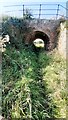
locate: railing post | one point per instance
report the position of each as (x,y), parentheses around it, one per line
(23,10)
(67,10)
(57,12)
(40,11)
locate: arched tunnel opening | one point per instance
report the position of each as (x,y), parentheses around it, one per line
(43,36)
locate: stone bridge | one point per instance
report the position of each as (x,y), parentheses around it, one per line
(44,29)
(29,30)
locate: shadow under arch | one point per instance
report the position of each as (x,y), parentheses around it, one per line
(44,37)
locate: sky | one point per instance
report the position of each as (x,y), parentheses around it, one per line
(4,10)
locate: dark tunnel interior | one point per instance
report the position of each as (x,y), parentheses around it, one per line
(44,37)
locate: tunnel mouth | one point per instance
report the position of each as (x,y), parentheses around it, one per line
(44,37)
(38,43)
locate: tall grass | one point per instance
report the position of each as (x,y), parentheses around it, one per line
(54,79)
(33,86)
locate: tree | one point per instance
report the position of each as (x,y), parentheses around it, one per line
(27,14)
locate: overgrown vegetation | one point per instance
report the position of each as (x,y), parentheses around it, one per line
(33,88)
(54,79)
(34,84)
(27,14)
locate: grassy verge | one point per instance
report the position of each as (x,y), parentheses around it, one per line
(23,92)
(54,78)
(33,86)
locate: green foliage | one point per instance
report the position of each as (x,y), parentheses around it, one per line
(23,92)
(5,18)
(14,79)
(33,87)
(34,84)
(54,78)
(27,14)
(15,28)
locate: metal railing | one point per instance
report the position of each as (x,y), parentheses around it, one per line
(39,10)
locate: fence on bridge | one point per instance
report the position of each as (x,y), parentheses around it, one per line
(41,11)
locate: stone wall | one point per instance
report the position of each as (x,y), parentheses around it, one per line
(62,39)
